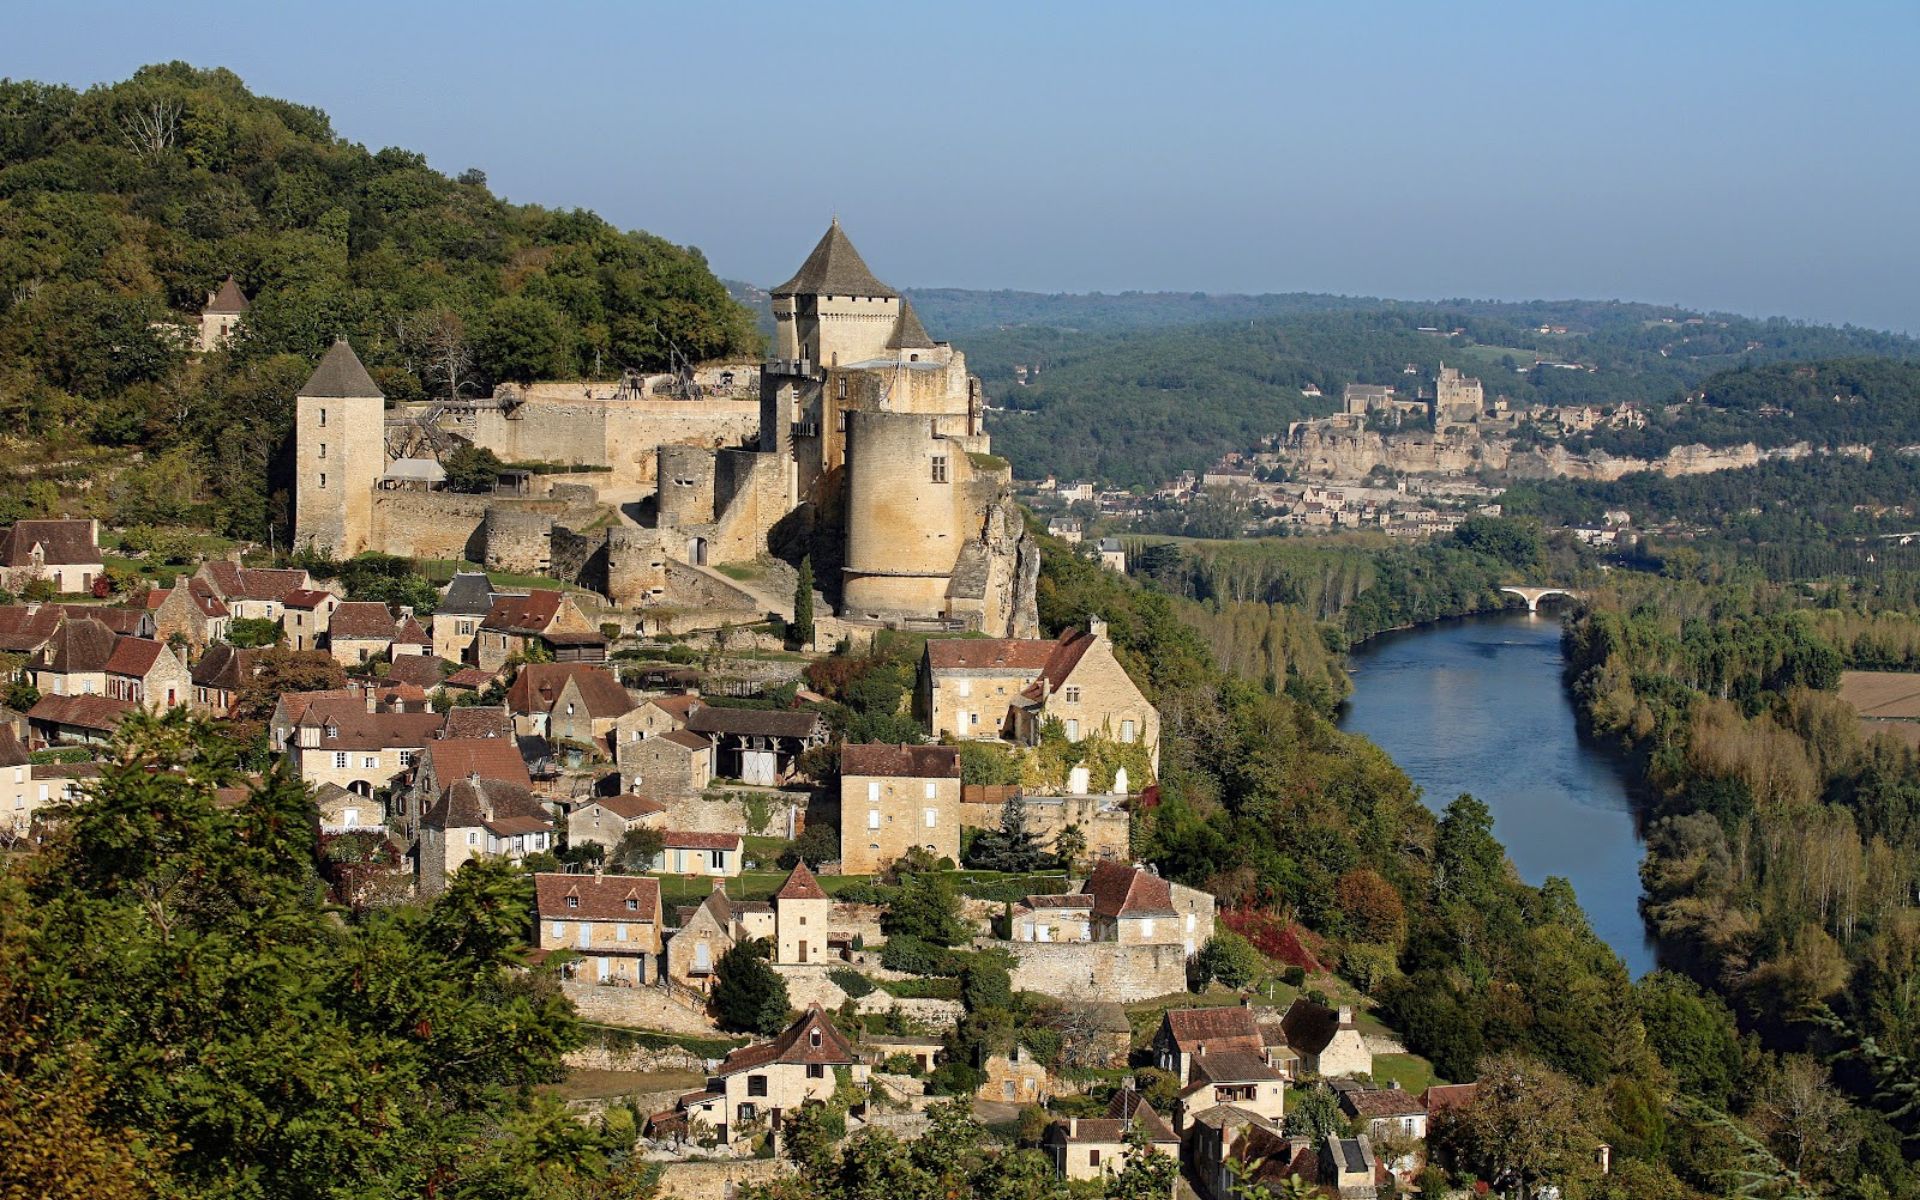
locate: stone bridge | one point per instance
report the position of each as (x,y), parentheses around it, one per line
(1534,595)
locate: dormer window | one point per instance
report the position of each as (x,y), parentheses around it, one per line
(573,902)
(332,731)
(632,904)
(813,1038)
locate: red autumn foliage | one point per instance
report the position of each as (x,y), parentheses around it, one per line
(1280,940)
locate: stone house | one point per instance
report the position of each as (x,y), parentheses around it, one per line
(1113,555)
(289,707)
(1011,687)
(306,616)
(188,610)
(893,798)
(1119,903)
(342,811)
(27,788)
(756,1085)
(757,746)
(573,702)
(476,818)
(253,593)
(410,638)
(73,662)
(148,674)
(679,763)
(515,622)
(218,677)
(1016,1078)
(1390,1115)
(1348,1166)
(655,715)
(466,721)
(65,553)
(27,628)
(612,921)
(464,603)
(447,760)
(720,855)
(607,819)
(1327,1040)
(220,316)
(1237,1076)
(1063,918)
(802,917)
(710,929)
(1220,1137)
(356,745)
(925,1051)
(359,630)
(1095,1147)
(1186,1032)
(76,720)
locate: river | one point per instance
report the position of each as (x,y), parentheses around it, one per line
(1477,705)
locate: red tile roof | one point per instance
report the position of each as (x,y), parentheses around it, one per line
(79,645)
(364,620)
(1121,891)
(1310,1026)
(132,622)
(12,753)
(134,657)
(686,740)
(677,705)
(1016,656)
(23,631)
(81,712)
(890,761)
(306,598)
(812,1040)
(420,670)
(788,723)
(487,758)
(354,728)
(477,721)
(631,807)
(538,686)
(531,613)
(676,839)
(471,677)
(1384,1102)
(801,885)
(1191,1027)
(1445,1097)
(598,898)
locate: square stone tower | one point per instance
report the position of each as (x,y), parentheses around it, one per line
(339,439)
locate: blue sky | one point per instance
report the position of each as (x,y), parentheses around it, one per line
(1759,157)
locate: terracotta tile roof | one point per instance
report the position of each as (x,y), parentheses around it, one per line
(61,542)
(801,885)
(1445,1097)
(1098,1130)
(420,670)
(81,712)
(22,631)
(131,622)
(306,598)
(1310,1027)
(79,645)
(488,758)
(685,740)
(409,632)
(357,729)
(890,761)
(538,686)
(133,657)
(1383,1102)
(1225,1116)
(1015,656)
(788,723)
(1190,1028)
(491,803)
(361,620)
(295,705)
(677,705)
(531,613)
(677,839)
(235,582)
(471,677)
(796,1046)
(1120,891)
(597,898)
(465,721)
(1128,1103)
(1066,655)
(1233,1066)
(631,807)
(12,753)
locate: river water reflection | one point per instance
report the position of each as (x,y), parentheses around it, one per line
(1477,705)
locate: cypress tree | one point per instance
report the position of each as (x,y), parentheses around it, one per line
(802,626)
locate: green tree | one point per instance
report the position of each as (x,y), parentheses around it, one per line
(928,910)
(252,632)
(1012,847)
(524,339)
(748,995)
(1314,1112)
(801,628)
(637,849)
(471,468)
(1693,1033)
(1228,958)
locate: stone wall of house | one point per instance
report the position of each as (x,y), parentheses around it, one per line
(717,1180)
(1107,830)
(460,525)
(598,1056)
(1108,970)
(881,818)
(697,814)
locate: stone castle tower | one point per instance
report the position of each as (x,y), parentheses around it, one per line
(221,315)
(1457,397)
(339,435)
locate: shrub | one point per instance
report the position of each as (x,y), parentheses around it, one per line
(1294,976)
(914,956)
(902,1064)
(850,981)
(956,1078)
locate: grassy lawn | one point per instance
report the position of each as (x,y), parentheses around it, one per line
(744,572)
(1411,1071)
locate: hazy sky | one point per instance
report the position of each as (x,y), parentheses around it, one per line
(1761,157)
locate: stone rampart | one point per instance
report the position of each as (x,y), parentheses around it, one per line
(717,1180)
(1109,970)
(620,434)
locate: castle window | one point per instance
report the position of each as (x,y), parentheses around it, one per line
(933,789)
(323,418)
(1126,731)
(323,449)
(323,479)
(873,818)
(843,387)
(939,468)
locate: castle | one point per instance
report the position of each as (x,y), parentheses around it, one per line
(868,452)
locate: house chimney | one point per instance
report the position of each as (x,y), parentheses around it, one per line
(1073,1126)
(1346,1015)
(1096,627)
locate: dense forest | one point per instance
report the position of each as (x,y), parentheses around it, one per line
(1135,406)
(123,206)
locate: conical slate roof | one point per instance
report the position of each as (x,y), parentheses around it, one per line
(834,268)
(801,885)
(908,332)
(340,376)
(229,300)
